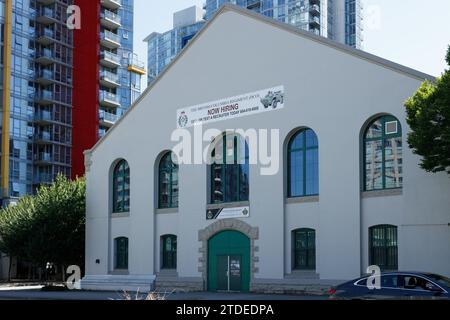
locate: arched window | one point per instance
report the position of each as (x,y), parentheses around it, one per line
(304,249)
(383,154)
(303,164)
(121,187)
(383,247)
(169,252)
(168,182)
(230,170)
(121,253)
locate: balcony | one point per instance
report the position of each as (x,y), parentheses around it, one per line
(43,117)
(111,4)
(109,59)
(107,119)
(109,99)
(45,57)
(314,22)
(314,9)
(46,16)
(43,137)
(46,2)
(136,66)
(110,20)
(109,40)
(43,178)
(44,97)
(43,158)
(253,4)
(45,77)
(46,36)
(109,79)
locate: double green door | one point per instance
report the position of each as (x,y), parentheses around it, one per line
(229,262)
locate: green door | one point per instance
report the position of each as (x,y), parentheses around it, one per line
(229,262)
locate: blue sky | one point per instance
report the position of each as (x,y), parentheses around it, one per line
(414,33)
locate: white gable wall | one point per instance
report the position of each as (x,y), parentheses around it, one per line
(330,91)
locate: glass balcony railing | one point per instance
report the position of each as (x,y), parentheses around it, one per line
(47,12)
(46,74)
(134,62)
(44,156)
(109,36)
(44,177)
(108,117)
(46,32)
(106,55)
(43,136)
(43,116)
(108,97)
(109,15)
(44,95)
(109,76)
(45,53)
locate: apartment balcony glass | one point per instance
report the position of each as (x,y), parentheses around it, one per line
(109,40)
(43,158)
(111,4)
(109,99)
(107,119)
(45,77)
(109,79)
(314,9)
(109,59)
(46,16)
(110,19)
(43,178)
(45,36)
(45,57)
(43,137)
(137,66)
(43,117)
(44,97)
(46,2)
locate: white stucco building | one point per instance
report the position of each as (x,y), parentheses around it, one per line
(349,192)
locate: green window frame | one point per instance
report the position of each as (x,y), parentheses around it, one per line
(230,170)
(303,164)
(168,185)
(169,252)
(383,155)
(121,187)
(121,253)
(304,249)
(383,247)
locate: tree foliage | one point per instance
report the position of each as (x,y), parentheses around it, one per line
(428,115)
(47,227)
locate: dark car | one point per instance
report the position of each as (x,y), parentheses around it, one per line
(395,286)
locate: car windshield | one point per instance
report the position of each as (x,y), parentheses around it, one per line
(440,279)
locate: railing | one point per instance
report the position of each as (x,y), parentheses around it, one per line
(108,117)
(46,32)
(43,115)
(134,62)
(46,74)
(106,55)
(108,96)
(43,136)
(47,12)
(108,35)
(44,177)
(314,7)
(47,53)
(43,156)
(106,14)
(44,95)
(314,20)
(117,2)
(110,76)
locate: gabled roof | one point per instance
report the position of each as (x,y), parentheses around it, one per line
(284,26)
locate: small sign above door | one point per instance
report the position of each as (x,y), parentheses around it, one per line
(226,213)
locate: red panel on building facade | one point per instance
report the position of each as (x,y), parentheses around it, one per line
(85,118)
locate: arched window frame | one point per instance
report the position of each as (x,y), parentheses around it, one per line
(384,138)
(387,248)
(121,187)
(306,165)
(121,253)
(236,170)
(169,169)
(309,251)
(169,256)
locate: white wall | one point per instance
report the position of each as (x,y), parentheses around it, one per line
(328,90)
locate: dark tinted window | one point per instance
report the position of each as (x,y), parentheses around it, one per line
(389,281)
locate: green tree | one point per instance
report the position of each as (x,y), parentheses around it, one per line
(48,227)
(428,115)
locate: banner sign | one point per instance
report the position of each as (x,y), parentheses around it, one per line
(226,213)
(240,106)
